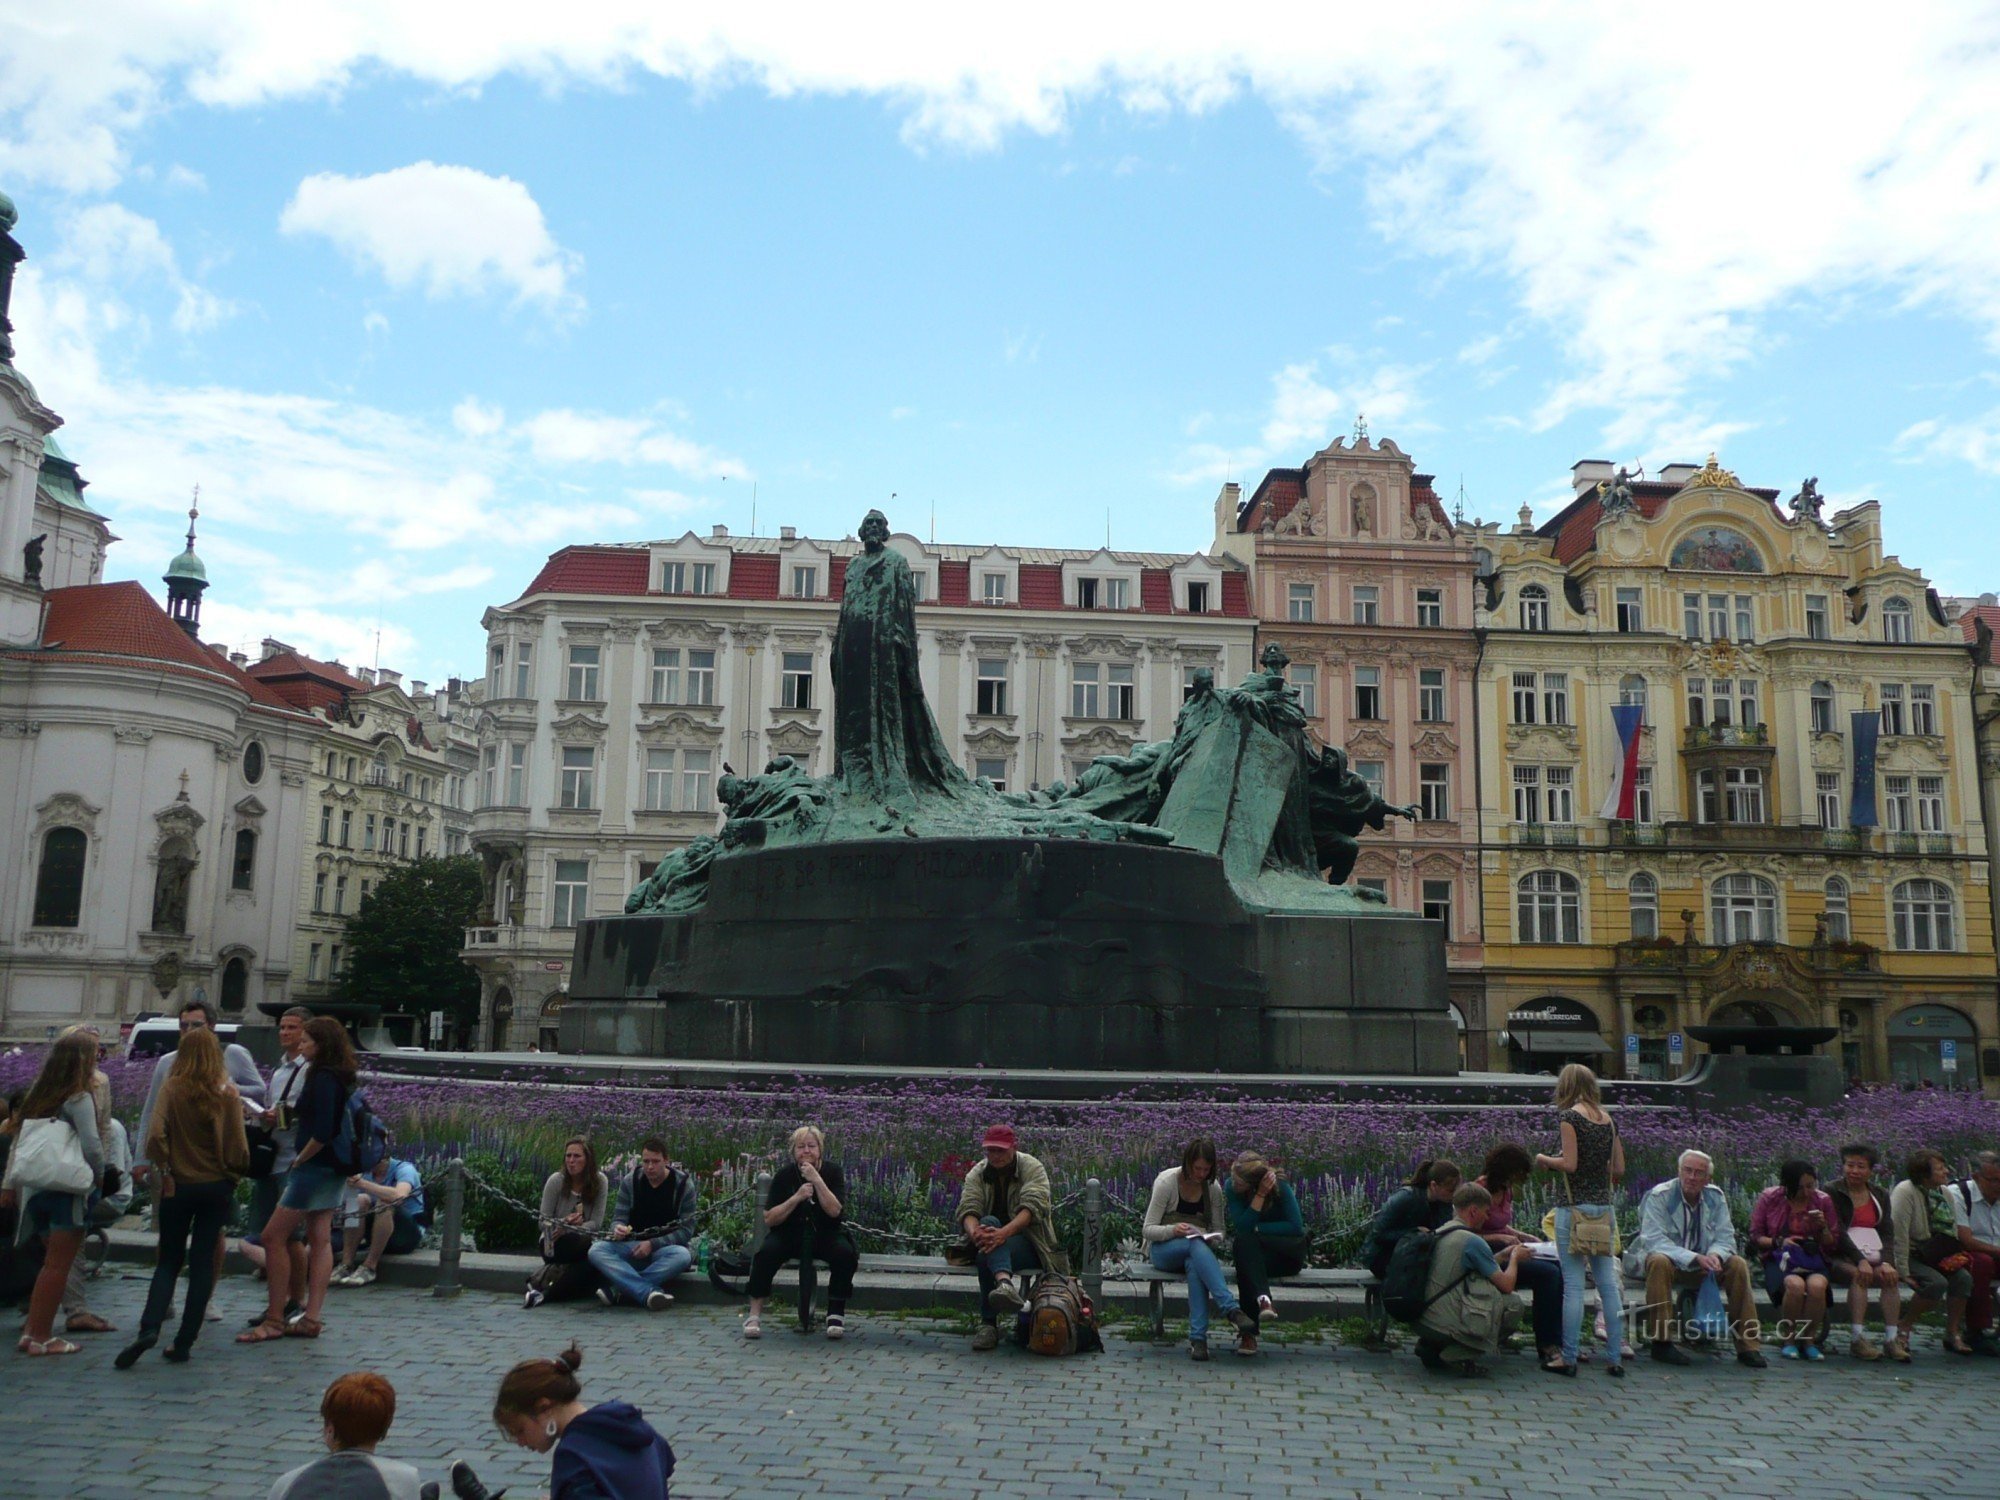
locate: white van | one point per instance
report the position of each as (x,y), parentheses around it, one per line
(159,1035)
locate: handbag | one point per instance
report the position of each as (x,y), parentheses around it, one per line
(48,1158)
(1589,1233)
(1800,1260)
(1869,1243)
(1941,1252)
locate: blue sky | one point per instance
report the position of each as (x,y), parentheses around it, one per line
(417,302)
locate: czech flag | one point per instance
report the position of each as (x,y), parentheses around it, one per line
(1624,794)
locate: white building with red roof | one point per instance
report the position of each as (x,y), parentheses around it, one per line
(154,792)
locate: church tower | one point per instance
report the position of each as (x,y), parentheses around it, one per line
(187,580)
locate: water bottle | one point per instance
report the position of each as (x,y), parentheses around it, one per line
(701,1254)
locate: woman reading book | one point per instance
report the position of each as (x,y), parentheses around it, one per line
(1185,1224)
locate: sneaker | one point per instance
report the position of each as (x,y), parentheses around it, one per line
(344,1276)
(1247,1344)
(363,1276)
(1754,1358)
(658,1302)
(986,1340)
(1790,1351)
(753,1328)
(1198,1351)
(836,1326)
(1812,1352)
(533,1297)
(213,1315)
(1899,1349)
(607,1296)
(294,1313)
(1863,1347)
(1005,1297)
(1671,1354)
(1266,1308)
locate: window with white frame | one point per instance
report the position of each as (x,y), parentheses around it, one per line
(698,781)
(1374,773)
(497,677)
(1707,797)
(701,578)
(1437,905)
(1367,692)
(1816,617)
(1718,617)
(339,895)
(1930,804)
(1526,701)
(1745,623)
(701,678)
(1085,678)
(1632,693)
(1921,917)
(1631,610)
(805,581)
(1430,695)
(1826,794)
(920,583)
(1367,604)
(1527,794)
(319,891)
(1899,813)
(1923,708)
(1820,707)
(517,774)
(1117,593)
(579,776)
(992,588)
(1837,926)
(1894,721)
(1430,607)
(489,786)
(687,578)
(524,670)
(665,685)
(1555,697)
(993,769)
(571,888)
(1299,602)
(1534,607)
(1559,794)
(1197,596)
(368,832)
(659,781)
(1898,621)
(313,961)
(1121,691)
(989,692)
(1691,616)
(1549,907)
(795,679)
(1642,901)
(1743,794)
(1743,909)
(1642,795)
(1304,679)
(1434,790)
(1721,702)
(583,664)
(1086,593)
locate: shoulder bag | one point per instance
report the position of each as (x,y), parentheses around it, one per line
(48,1158)
(1589,1233)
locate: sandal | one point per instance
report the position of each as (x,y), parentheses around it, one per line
(88,1322)
(304,1328)
(48,1348)
(1959,1347)
(752,1328)
(263,1333)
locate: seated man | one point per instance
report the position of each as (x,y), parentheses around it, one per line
(355,1414)
(651,1224)
(1008,1212)
(390,1219)
(1979,1196)
(1685,1234)
(1471,1290)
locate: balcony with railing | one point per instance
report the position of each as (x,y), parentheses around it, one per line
(1554,835)
(1726,736)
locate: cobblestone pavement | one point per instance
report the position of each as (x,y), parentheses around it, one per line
(902,1408)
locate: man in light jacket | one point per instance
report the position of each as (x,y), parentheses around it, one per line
(1685,1234)
(237,1061)
(1008,1212)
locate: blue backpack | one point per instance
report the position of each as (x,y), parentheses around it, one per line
(362,1139)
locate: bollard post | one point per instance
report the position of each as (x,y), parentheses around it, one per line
(760,1194)
(1093,1241)
(454,1221)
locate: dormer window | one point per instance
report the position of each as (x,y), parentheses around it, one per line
(1534,607)
(805,582)
(1197,597)
(687,578)
(993,588)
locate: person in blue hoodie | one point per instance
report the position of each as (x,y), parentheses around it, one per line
(604,1452)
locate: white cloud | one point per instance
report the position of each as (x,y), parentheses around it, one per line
(1975,442)
(185,179)
(476,419)
(562,436)
(111,246)
(452,230)
(1479,351)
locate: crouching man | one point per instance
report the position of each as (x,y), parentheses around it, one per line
(1475,1306)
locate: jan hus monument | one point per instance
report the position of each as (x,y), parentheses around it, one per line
(1167,912)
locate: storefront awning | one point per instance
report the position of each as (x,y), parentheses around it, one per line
(1551,1039)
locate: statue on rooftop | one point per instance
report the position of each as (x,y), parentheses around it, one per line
(1807,504)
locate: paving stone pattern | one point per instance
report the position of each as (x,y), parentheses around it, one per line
(903,1408)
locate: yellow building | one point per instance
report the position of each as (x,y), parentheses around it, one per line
(1739,891)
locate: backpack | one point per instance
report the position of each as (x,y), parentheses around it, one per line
(1058,1318)
(1406,1283)
(362,1139)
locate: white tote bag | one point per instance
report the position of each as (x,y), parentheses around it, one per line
(48,1158)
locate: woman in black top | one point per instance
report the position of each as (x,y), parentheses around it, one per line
(1424,1202)
(804,1215)
(1593,1160)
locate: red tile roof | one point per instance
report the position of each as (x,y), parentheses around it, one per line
(305,682)
(1277,492)
(1235,594)
(594,570)
(954,583)
(753,577)
(836,578)
(1041,586)
(1156,591)
(119,624)
(1990,613)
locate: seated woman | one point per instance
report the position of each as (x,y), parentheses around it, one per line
(1861,1214)
(573,1204)
(804,1214)
(1793,1226)
(1925,1220)
(1185,1225)
(1424,1202)
(1266,1234)
(1508,1166)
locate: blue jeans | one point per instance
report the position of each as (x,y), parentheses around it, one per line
(1604,1270)
(1016,1253)
(636,1280)
(1205,1282)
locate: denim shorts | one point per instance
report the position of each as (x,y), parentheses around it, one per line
(313,1189)
(52,1212)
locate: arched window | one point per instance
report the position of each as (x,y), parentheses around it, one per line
(1743,909)
(1898,623)
(243,871)
(1632,690)
(1534,607)
(59,882)
(1836,910)
(1549,907)
(1921,917)
(1642,896)
(235,984)
(1822,708)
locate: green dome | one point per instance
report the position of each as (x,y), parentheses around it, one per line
(187,566)
(8,215)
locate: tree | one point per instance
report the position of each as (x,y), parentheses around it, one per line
(403,944)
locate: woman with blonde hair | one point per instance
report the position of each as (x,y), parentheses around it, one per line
(1267,1234)
(805,1215)
(196,1143)
(107,1200)
(1591,1162)
(61,1094)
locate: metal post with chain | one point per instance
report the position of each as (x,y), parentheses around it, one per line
(453,1233)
